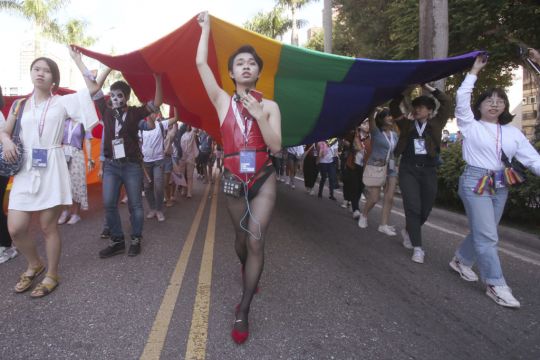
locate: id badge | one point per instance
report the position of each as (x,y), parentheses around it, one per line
(392,165)
(498,177)
(118,148)
(420,147)
(39,158)
(247,161)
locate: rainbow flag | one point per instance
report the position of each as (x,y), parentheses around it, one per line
(320,95)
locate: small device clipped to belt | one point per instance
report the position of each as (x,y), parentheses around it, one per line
(232,186)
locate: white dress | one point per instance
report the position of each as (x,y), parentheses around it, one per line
(37,189)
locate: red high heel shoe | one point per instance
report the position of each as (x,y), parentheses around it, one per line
(239,337)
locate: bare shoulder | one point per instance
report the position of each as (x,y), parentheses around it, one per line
(270,105)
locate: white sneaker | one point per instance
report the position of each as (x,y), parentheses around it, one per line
(124,200)
(151,214)
(356,214)
(465,272)
(406,239)
(74,219)
(502,295)
(293,186)
(63,217)
(311,192)
(344,204)
(362,221)
(160,216)
(282,179)
(7,253)
(418,255)
(385,229)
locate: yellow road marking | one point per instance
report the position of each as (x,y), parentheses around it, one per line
(196,346)
(158,334)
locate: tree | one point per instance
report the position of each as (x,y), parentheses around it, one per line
(388,29)
(316,42)
(294,6)
(273,24)
(41,13)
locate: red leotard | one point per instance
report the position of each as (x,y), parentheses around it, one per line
(234,141)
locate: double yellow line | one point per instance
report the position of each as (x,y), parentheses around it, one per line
(196,346)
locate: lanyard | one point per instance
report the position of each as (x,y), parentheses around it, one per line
(241,124)
(41,121)
(390,144)
(119,124)
(419,129)
(498,143)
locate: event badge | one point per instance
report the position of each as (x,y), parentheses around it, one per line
(118,149)
(392,165)
(247,161)
(420,147)
(39,158)
(498,177)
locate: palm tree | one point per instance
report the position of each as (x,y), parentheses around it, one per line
(293,6)
(41,12)
(272,24)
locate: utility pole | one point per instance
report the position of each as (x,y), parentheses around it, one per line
(327,26)
(433,36)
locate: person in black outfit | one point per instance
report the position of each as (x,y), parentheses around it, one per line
(419,146)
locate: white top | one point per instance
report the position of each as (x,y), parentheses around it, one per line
(2,118)
(188,142)
(328,157)
(480,146)
(153,141)
(37,189)
(297,151)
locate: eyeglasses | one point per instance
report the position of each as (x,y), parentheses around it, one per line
(491,102)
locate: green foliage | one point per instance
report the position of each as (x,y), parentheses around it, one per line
(448,176)
(41,13)
(273,24)
(388,29)
(316,42)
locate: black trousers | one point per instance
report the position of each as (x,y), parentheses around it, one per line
(5,238)
(418,189)
(356,185)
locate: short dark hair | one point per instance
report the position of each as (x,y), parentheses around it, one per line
(379,118)
(245,49)
(505,117)
(426,101)
(123,87)
(53,66)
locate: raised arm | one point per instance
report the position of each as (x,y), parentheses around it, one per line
(464,113)
(217,95)
(91,83)
(158,97)
(444,104)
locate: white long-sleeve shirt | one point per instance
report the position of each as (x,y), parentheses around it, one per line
(480,147)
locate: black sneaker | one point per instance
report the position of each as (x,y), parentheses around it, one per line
(135,247)
(332,197)
(106,233)
(114,248)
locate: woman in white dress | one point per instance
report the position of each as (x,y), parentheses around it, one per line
(42,186)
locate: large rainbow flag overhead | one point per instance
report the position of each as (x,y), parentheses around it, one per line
(320,95)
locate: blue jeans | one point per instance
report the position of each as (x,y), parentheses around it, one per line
(130,174)
(153,189)
(328,170)
(484,213)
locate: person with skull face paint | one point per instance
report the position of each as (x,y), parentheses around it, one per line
(247,137)
(42,186)
(122,163)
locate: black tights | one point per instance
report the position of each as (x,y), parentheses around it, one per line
(249,247)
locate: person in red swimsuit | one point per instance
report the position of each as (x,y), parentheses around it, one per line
(249,128)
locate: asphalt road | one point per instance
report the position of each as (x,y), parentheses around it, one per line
(329,291)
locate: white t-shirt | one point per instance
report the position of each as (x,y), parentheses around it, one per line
(153,141)
(482,140)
